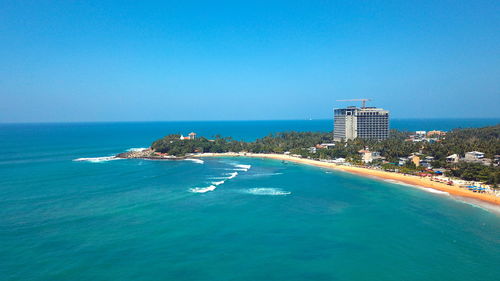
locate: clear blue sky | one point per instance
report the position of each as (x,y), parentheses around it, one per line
(222,60)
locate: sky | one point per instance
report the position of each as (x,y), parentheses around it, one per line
(77,61)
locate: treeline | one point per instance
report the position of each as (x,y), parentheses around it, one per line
(458,141)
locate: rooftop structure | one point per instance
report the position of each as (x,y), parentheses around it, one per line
(473,156)
(191,136)
(365,123)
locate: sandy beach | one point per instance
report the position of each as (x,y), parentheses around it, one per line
(408,179)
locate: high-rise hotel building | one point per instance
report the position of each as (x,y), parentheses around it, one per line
(365,123)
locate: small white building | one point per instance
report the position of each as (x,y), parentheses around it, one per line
(327,145)
(338,160)
(368,156)
(473,156)
(453,158)
(421,134)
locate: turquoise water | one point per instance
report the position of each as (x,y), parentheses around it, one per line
(140,220)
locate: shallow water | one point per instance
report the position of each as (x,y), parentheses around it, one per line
(264,220)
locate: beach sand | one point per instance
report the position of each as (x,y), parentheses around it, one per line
(408,179)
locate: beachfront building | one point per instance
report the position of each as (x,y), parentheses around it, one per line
(368,156)
(415,159)
(365,123)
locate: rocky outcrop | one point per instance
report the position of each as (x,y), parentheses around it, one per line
(147,154)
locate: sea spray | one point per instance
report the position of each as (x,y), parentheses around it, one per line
(241,167)
(203,189)
(267,191)
(97,159)
(198,161)
(136,149)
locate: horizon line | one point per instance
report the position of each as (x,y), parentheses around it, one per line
(222,120)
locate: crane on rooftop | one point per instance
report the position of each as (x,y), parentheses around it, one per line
(363,101)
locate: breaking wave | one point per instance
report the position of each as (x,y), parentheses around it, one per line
(267,191)
(137,149)
(203,189)
(218,182)
(97,159)
(199,161)
(240,167)
(232,175)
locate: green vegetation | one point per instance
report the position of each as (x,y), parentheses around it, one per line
(457,141)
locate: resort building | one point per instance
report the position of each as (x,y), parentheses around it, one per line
(365,123)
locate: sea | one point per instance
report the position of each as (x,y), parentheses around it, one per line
(70,211)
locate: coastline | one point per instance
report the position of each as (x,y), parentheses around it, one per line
(408,179)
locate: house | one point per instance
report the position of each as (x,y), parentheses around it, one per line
(436,133)
(415,159)
(402,161)
(420,134)
(312,149)
(473,156)
(338,160)
(453,158)
(429,158)
(368,156)
(191,136)
(325,145)
(426,163)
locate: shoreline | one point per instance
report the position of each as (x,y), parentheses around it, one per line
(379,174)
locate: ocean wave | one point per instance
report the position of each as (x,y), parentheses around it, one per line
(199,161)
(216,183)
(217,178)
(203,189)
(232,175)
(265,175)
(136,149)
(97,159)
(241,167)
(267,191)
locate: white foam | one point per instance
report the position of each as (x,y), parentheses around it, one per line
(203,189)
(265,174)
(232,175)
(137,149)
(246,167)
(199,161)
(267,191)
(97,159)
(217,182)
